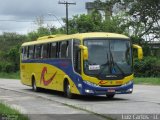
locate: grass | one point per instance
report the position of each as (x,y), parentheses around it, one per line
(12,75)
(148,81)
(8,113)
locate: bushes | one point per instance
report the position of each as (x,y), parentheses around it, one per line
(148,67)
(10,60)
(7,67)
(1,67)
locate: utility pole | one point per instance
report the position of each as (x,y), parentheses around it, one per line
(66,3)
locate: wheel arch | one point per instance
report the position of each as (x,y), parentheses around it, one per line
(65,80)
(74,88)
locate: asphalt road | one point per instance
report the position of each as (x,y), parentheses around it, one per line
(144,100)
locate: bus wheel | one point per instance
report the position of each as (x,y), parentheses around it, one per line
(34,86)
(67,90)
(110,96)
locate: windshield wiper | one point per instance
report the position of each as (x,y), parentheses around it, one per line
(114,63)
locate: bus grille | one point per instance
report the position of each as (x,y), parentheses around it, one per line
(109,85)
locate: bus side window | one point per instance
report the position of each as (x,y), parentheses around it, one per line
(45,51)
(53,52)
(76,56)
(24,53)
(37,52)
(69,44)
(63,49)
(31,52)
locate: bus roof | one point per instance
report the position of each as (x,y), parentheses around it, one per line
(80,36)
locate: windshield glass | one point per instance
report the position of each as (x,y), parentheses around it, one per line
(108,58)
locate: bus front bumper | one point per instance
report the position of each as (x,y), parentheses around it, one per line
(89,89)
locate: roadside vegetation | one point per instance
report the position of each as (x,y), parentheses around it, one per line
(11,75)
(142,16)
(147,81)
(8,113)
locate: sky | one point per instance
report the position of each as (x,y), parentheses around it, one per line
(19,15)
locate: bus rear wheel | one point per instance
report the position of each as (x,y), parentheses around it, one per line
(67,90)
(110,96)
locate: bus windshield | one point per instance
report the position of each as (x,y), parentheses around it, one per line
(108,58)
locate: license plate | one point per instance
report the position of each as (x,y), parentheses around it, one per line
(111,91)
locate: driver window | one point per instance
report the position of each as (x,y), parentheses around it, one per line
(76,56)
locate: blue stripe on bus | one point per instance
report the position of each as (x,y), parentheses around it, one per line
(64,64)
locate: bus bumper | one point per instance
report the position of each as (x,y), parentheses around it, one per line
(89,89)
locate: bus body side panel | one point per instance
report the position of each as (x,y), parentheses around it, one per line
(25,74)
(49,74)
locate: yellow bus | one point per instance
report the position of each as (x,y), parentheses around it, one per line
(96,63)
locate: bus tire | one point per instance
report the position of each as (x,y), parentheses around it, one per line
(110,96)
(34,86)
(67,89)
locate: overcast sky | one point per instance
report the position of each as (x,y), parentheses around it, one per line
(19,15)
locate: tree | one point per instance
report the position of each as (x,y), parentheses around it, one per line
(143,17)
(42,31)
(94,23)
(9,51)
(82,23)
(39,21)
(32,36)
(8,40)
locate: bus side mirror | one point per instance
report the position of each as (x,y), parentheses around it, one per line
(139,50)
(84,52)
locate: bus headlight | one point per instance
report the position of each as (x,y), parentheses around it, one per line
(91,84)
(128,83)
(89,91)
(129,90)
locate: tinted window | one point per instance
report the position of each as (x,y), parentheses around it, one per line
(54,50)
(37,51)
(63,49)
(31,52)
(45,51)
(24,53)
(76,56)
(69,49)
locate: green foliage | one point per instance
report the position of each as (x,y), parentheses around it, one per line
(9,51)
(148,67)
(43,31)
(94,23)
(81,23)
(1,67)
(32,36)
(147,81)
(112,25)
(8,40)
(10,61)
(11,75)
(9,67)
(145,16)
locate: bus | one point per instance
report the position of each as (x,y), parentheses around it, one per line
(96,63)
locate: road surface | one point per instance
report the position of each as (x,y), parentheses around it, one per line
(144,100)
